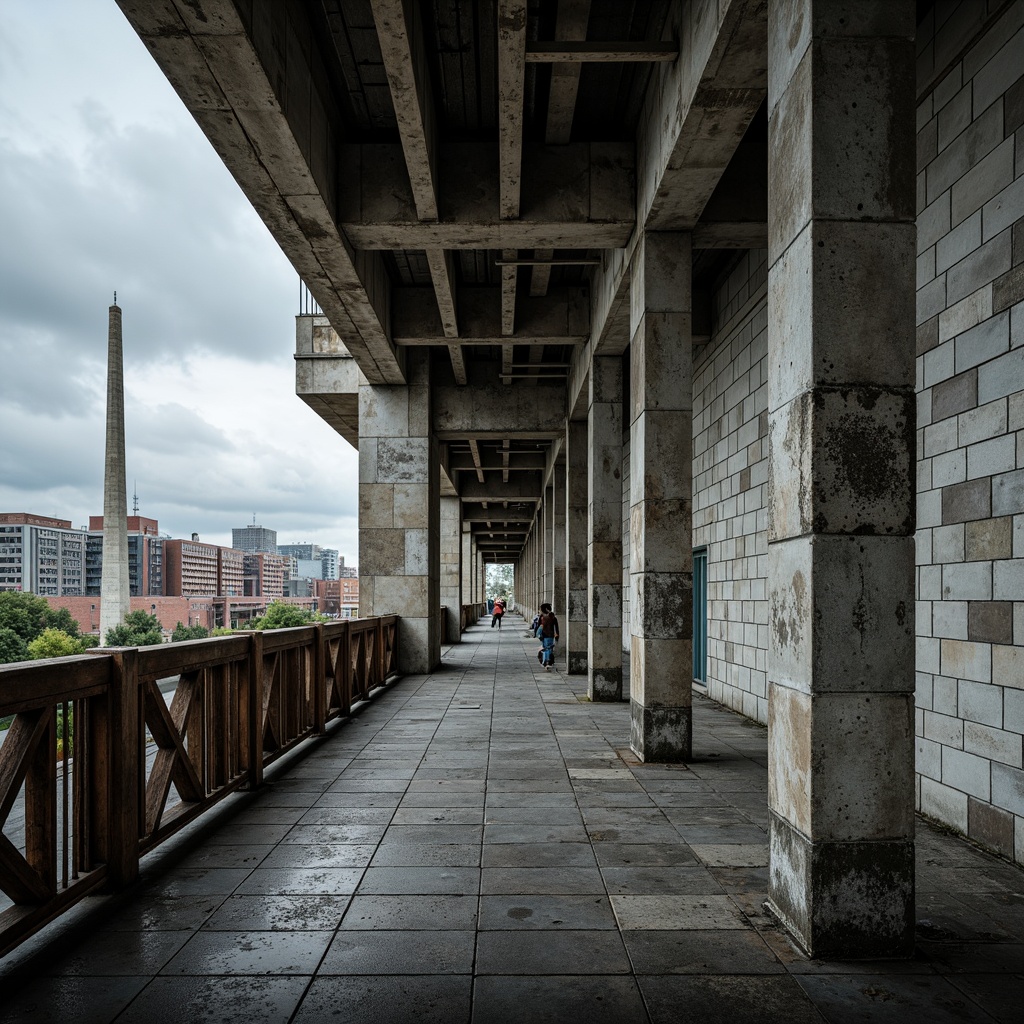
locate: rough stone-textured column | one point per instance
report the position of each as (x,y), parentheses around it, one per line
(604,549)
(660,501)
(451,565)
(399,512)
(549,545)
(558,600)
(841,474)
(574,622)
(115,592)
(467,564)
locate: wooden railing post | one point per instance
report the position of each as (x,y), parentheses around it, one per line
(344,684)
(319,679)
(125,769)
(254,712)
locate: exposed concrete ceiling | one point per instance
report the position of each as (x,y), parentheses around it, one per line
(469,175)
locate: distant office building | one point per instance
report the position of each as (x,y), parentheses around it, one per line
(254,540)
(308,568)
(265,575)
(330,563)
(145,557)
(41,555)
(305,552)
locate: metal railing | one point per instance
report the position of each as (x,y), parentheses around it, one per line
(97,767)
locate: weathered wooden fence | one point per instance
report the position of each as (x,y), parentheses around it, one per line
(103,769)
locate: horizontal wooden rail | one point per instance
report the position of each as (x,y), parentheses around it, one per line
(110,753)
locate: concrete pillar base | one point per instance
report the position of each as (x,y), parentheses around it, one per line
(576,663)
(605,685)
(661,734)
(850,900)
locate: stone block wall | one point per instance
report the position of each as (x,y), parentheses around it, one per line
(730,475)
(970,383)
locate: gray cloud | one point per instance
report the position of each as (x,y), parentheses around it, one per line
(106,182)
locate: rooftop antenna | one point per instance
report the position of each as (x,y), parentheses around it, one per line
(135,483)
(254,519)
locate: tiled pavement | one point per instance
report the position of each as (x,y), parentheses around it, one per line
(479,845)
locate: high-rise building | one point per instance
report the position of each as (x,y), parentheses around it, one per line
(330,563)
(254,540)
(145,556)
(41,555)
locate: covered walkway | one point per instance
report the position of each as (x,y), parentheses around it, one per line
(480,845)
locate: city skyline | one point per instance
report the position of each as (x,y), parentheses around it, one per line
(109,184)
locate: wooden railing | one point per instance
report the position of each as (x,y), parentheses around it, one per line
(470,613)
(97,767)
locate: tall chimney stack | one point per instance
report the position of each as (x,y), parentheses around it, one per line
(115,596)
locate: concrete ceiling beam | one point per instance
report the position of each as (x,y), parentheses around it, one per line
(522,488)
(578,196)
(493,410)
(400,34)
(238,71)
(559,318)
(694,118)
(459,462)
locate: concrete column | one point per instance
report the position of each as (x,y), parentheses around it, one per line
(841,450)
(467,564)
(451,565)
(660,501)
(574,623)
(604,547)
(399,512)
(558,600)
(115,591)
(549,545)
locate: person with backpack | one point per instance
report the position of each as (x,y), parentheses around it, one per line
(548,631)
(499,610)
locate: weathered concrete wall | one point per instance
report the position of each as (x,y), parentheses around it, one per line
(730,474)
(970,382)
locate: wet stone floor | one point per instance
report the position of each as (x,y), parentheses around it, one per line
(478,845)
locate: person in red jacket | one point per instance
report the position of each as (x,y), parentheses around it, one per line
(499,611)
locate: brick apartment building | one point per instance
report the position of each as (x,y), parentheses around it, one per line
(265,574)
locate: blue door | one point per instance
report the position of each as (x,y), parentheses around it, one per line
(700,615)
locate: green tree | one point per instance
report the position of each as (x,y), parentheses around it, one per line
(54,643)
(12,646)
(500,581)
(139,629)
(281,616)
(183,632)
(24,613)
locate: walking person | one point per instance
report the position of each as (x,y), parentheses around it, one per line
(499,611)
(548,630)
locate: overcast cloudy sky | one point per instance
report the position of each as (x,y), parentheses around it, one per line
(107,183)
